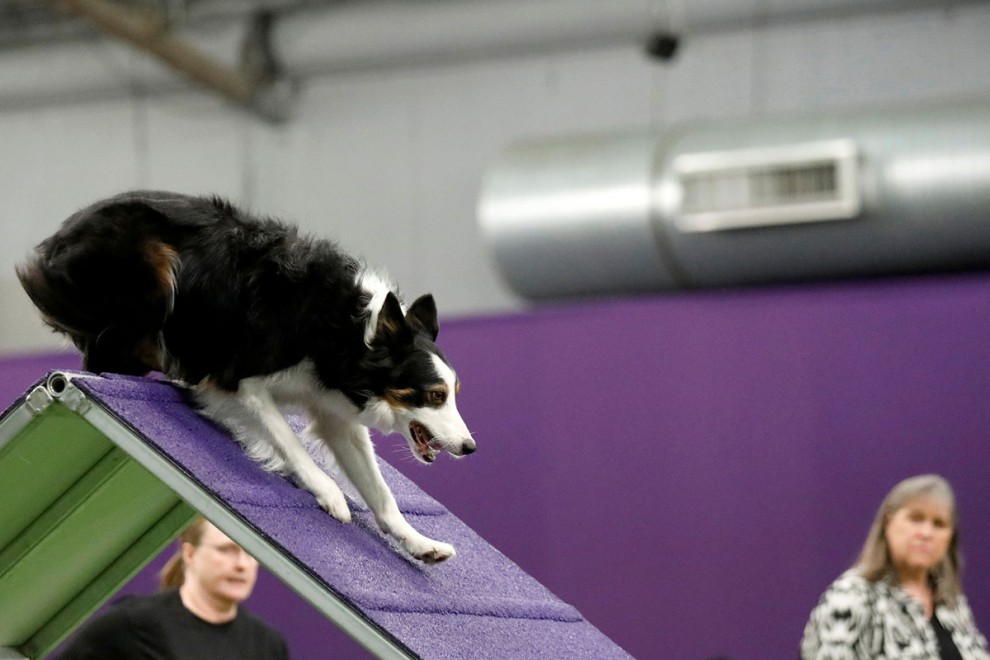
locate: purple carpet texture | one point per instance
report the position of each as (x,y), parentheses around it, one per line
(480,604)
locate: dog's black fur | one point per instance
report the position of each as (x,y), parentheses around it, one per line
(251,297)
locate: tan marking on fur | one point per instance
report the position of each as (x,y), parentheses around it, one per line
(164,259)
(393,397)
(147,353)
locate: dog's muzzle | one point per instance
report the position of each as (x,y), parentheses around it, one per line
(426,446)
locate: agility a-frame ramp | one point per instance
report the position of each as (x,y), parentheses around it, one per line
(98,474)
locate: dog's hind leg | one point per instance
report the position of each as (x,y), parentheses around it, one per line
(257,423)
(352,447)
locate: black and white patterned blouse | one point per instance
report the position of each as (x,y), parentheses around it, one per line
(857,619)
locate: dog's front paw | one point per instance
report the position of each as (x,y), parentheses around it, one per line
(335,504)
(429,551)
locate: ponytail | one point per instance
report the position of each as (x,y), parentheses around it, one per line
(173,574)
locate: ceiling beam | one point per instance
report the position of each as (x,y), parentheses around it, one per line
(147,30)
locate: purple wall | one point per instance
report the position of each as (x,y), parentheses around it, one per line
(692,470)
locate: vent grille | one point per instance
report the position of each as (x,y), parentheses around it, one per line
(810,182)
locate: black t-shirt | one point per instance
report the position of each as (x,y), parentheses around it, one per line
(159,627)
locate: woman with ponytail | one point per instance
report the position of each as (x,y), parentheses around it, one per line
(197,613)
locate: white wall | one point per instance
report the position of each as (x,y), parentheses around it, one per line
(389,162)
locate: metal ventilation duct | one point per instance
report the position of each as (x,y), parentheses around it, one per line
(757,201)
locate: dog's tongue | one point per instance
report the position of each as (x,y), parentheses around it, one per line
(426,446)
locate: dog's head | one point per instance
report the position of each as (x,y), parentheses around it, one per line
(417,395)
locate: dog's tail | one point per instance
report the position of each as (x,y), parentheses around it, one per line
(107,279)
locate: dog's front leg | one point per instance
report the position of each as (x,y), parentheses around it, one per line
(257,423)
(355,454)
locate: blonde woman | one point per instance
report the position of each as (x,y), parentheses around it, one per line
(197,615)
(902,598)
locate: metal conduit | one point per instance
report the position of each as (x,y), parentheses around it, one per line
(314,39)
(767,200)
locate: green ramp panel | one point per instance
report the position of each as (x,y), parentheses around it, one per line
(78,518)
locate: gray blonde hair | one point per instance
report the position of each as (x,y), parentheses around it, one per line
(874,562)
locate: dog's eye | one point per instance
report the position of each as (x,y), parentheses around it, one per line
(437,397)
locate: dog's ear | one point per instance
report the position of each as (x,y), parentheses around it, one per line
(422,316)
(391,328)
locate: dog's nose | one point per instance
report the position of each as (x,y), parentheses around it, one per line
(468,447)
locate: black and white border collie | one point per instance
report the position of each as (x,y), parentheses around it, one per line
(254,316)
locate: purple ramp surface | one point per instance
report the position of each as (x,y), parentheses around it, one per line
(479,604)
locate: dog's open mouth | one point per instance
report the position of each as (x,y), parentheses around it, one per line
(427,447)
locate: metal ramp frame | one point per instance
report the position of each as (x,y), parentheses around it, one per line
(96,479)
(81,518)
(60,558)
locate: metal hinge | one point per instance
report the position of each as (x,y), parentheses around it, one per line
(38,400)
(60,387)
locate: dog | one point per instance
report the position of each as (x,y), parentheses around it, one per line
(252,316)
